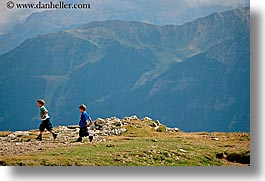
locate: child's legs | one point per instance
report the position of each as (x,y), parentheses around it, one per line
(41,128)
(83,132)
(48,125)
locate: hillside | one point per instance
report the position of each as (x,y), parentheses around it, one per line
(193,76)
(43,22)
(126,142)
(212,87)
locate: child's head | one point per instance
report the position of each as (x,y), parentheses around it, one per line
(40,102)
(82,108)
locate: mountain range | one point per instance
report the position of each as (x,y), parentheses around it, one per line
(193,76)
(158,12)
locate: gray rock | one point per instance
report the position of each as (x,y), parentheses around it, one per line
(114,119)
(70,127)
(216,139)
(133,117)
(158,122)
(173,129)
(157,127)
(154,151)
(97,131)
(115,131)
(104,127)
(104,134)
(11,136)
(21,133)
(147,119)
(118,123)
(154,125)
(182,150)
(99,122)
(126,119)
(122,129)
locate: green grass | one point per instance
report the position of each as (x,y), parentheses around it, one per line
(136,152)
(124,152)
(143,146)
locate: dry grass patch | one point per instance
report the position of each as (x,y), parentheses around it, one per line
(5,133)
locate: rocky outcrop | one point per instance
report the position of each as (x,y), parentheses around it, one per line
(115,126)
(24,141)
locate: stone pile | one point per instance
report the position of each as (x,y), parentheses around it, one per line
(100,129)
(18,142)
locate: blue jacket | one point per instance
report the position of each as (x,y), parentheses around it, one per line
(83,119)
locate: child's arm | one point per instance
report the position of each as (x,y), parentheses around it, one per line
(44,115)
(91,122)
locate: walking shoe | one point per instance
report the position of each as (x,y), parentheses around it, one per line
(39,138)
(90,138)
(79,139)
(54,135)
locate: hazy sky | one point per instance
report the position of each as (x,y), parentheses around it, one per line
(8,18)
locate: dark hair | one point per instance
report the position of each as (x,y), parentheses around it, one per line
(41,101)
(83,107)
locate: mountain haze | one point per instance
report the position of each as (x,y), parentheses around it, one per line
(158,12)
(193,76)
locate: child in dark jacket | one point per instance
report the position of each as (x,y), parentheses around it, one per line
(83,123)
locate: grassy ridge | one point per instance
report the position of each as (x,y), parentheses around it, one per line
(180,149)
(142,145)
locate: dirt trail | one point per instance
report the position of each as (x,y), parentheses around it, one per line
(17,148)
(21,142)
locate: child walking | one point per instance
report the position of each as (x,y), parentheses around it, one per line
(83,123)
(45,123)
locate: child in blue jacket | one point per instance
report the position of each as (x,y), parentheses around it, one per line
(83,123)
